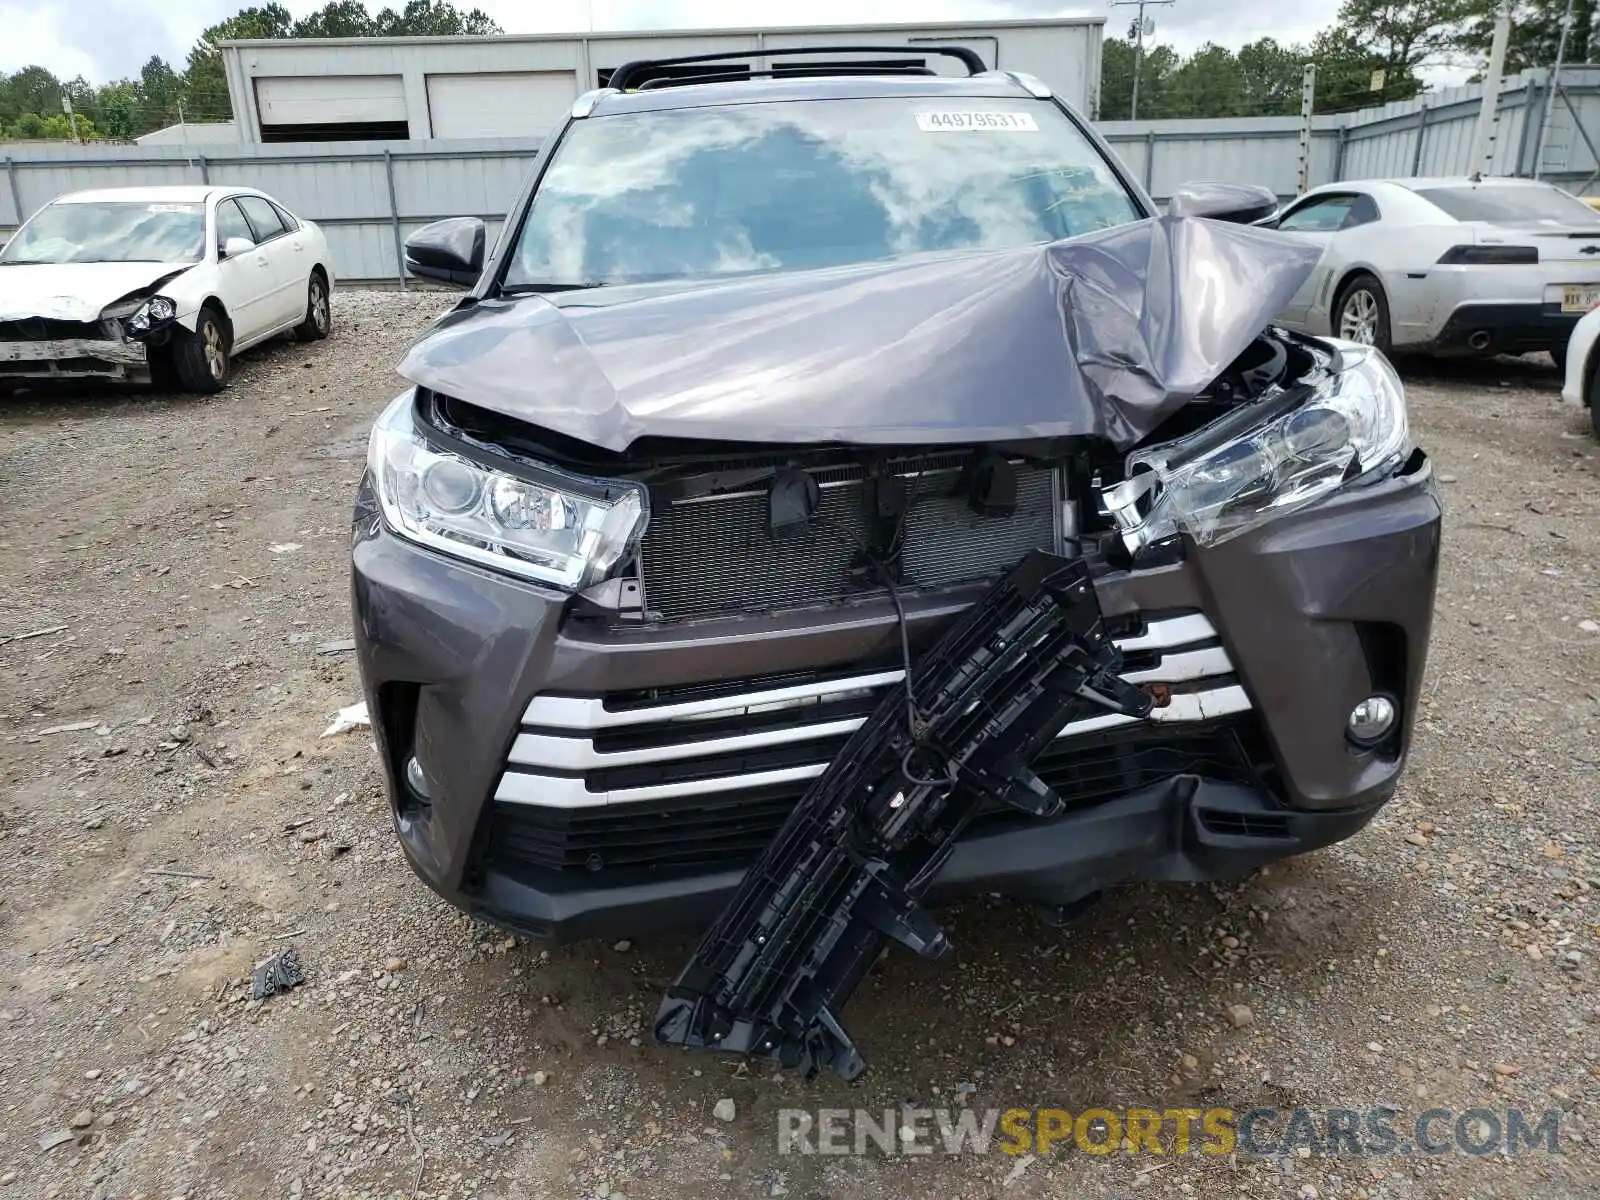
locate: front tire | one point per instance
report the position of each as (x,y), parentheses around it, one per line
(1361,313)
(319,311)
(203,359)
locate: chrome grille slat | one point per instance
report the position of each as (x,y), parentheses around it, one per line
(569,791)
(586,713)
(558,757)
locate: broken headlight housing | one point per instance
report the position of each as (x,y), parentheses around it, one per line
(151,315)
(1266,459)
(532,521)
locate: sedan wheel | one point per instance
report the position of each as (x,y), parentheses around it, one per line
(201,358)
(319,312)
(216,353)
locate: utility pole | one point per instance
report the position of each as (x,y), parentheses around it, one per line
(1308,104)
(1489,110)
(72,117)
(1139,30)
(1551,92)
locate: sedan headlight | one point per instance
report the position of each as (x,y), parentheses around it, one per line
(1266,459)
(536,522)
(152,314)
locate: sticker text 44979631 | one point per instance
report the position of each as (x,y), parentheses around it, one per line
(978,121)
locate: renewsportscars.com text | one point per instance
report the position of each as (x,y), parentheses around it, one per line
(1370,1132)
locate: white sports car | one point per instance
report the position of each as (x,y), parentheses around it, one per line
(1462,266)
(157,283)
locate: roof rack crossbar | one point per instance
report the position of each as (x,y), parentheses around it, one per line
(656,82)
(625,76)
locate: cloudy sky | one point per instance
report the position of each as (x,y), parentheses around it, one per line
(107,39)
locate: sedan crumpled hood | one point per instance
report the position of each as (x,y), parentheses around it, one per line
(1106,334)
(73,291)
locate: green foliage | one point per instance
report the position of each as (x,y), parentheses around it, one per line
(118,104)
(53,127)
(1535,32)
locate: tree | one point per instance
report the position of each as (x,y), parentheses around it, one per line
(117,104)
(1116,79)
(158,95)
(433,18)
(1535,32)
(1270,77)
(342,18)
(30,90)
(1208,84)
(1344,73)
(1404,35)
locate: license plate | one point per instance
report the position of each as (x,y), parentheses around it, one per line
(1579,299)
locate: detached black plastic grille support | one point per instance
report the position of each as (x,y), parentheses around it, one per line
(851,862)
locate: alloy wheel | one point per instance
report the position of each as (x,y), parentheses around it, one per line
(1358,319)
(216,352)
(320,317)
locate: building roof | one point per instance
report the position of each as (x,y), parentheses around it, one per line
(604,35)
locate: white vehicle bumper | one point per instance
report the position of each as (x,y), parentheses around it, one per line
(1581,359)
(72,358)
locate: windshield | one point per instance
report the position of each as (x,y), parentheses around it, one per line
(724,190)
(111,232)
(1510,204)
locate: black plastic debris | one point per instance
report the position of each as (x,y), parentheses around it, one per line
(849,866)
(278,974)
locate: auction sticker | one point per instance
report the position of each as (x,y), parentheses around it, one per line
(979,121)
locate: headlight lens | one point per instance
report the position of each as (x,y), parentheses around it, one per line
(1252,465)
(156,311)
(541,524)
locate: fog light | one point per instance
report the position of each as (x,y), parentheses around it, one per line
(1371,720)
(415,779)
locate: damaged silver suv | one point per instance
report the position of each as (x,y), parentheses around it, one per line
(773,372)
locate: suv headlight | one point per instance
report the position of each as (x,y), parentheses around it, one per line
(1267,459)
(536,522)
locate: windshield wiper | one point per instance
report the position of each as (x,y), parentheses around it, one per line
(523,289)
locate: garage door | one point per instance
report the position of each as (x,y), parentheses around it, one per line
(331,99)
(514,104)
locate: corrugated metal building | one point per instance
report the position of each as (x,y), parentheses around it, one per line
(359,89)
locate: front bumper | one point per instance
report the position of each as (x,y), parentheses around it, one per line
(1505,329)
(539,791)
(73,358)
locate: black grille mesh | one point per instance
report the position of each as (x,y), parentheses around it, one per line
(710,556)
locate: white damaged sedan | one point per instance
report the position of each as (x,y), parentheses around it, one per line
(163,284)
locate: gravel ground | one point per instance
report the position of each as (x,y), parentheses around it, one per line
(169,816)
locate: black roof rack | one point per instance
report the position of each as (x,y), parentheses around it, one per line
(629,73)
(666,81)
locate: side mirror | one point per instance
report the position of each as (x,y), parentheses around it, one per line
(450,251)
(1243,203)
(235,246)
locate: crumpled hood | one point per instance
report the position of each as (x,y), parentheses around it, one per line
(1106,334)
(73,291)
